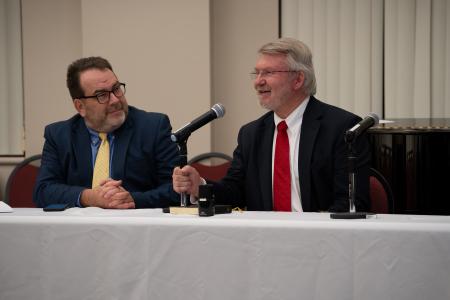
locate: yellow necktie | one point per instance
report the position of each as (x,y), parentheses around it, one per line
(101,167)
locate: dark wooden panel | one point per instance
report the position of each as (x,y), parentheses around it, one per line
(414,156)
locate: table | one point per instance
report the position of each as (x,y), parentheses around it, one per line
(92,253)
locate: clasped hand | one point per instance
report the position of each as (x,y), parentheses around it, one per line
(109,194)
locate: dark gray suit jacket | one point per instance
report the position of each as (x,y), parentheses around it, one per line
(322,163)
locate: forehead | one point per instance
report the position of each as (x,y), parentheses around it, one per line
(95,79)
(270,61)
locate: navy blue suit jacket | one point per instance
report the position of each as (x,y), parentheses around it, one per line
(322,163)
(144,157)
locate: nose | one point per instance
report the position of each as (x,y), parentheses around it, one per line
(113,98)
(259,80)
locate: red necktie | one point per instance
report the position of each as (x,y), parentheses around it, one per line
(281,171)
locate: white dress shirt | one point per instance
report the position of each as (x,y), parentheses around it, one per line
(294,123)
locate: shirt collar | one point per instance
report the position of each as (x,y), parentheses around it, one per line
(95,139)
(294,116)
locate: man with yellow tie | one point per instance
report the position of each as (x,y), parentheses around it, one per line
(109,154)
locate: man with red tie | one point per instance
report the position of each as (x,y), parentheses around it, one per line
(293,158)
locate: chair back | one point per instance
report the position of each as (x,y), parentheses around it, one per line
(211,165)
(20,184)
(380,193)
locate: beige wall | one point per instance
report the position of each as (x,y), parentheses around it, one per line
(50,41)
(176,56)
(239,28)
(161,50)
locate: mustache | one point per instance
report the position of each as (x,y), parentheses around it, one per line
(262,88)
(115,107)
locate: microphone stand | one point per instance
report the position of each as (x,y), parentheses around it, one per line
(183,161)
(352,214)
(181,136)
(351,177)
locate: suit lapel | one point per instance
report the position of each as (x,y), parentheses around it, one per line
(122,141)
(81,145)
(310,129)
(265,161)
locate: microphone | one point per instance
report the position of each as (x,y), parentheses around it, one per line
(371,120)
(181,135)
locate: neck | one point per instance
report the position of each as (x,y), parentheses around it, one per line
(290,106)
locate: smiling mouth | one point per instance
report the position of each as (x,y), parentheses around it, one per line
(262,92)
(115,111)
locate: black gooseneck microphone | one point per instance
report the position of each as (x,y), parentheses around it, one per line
(372,119)
(217,111)
(181,135)
(350,136)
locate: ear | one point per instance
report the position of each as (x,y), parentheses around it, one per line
(80,106)
(299,81)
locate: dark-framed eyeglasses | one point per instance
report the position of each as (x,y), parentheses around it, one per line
(103,96)
(267,73)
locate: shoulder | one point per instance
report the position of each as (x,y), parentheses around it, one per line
(141,117)
(329,114)
(64,127)
(136,113)
(256,125)
(144,123)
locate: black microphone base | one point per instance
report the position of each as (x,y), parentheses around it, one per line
(350,215)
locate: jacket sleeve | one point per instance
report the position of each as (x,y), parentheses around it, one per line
(51,184)
(165,155)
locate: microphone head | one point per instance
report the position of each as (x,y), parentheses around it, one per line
(219,109)
(375,118)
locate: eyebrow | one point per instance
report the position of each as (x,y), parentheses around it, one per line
(270,69)
(104,90)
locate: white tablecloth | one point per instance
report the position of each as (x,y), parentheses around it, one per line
(93,253)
